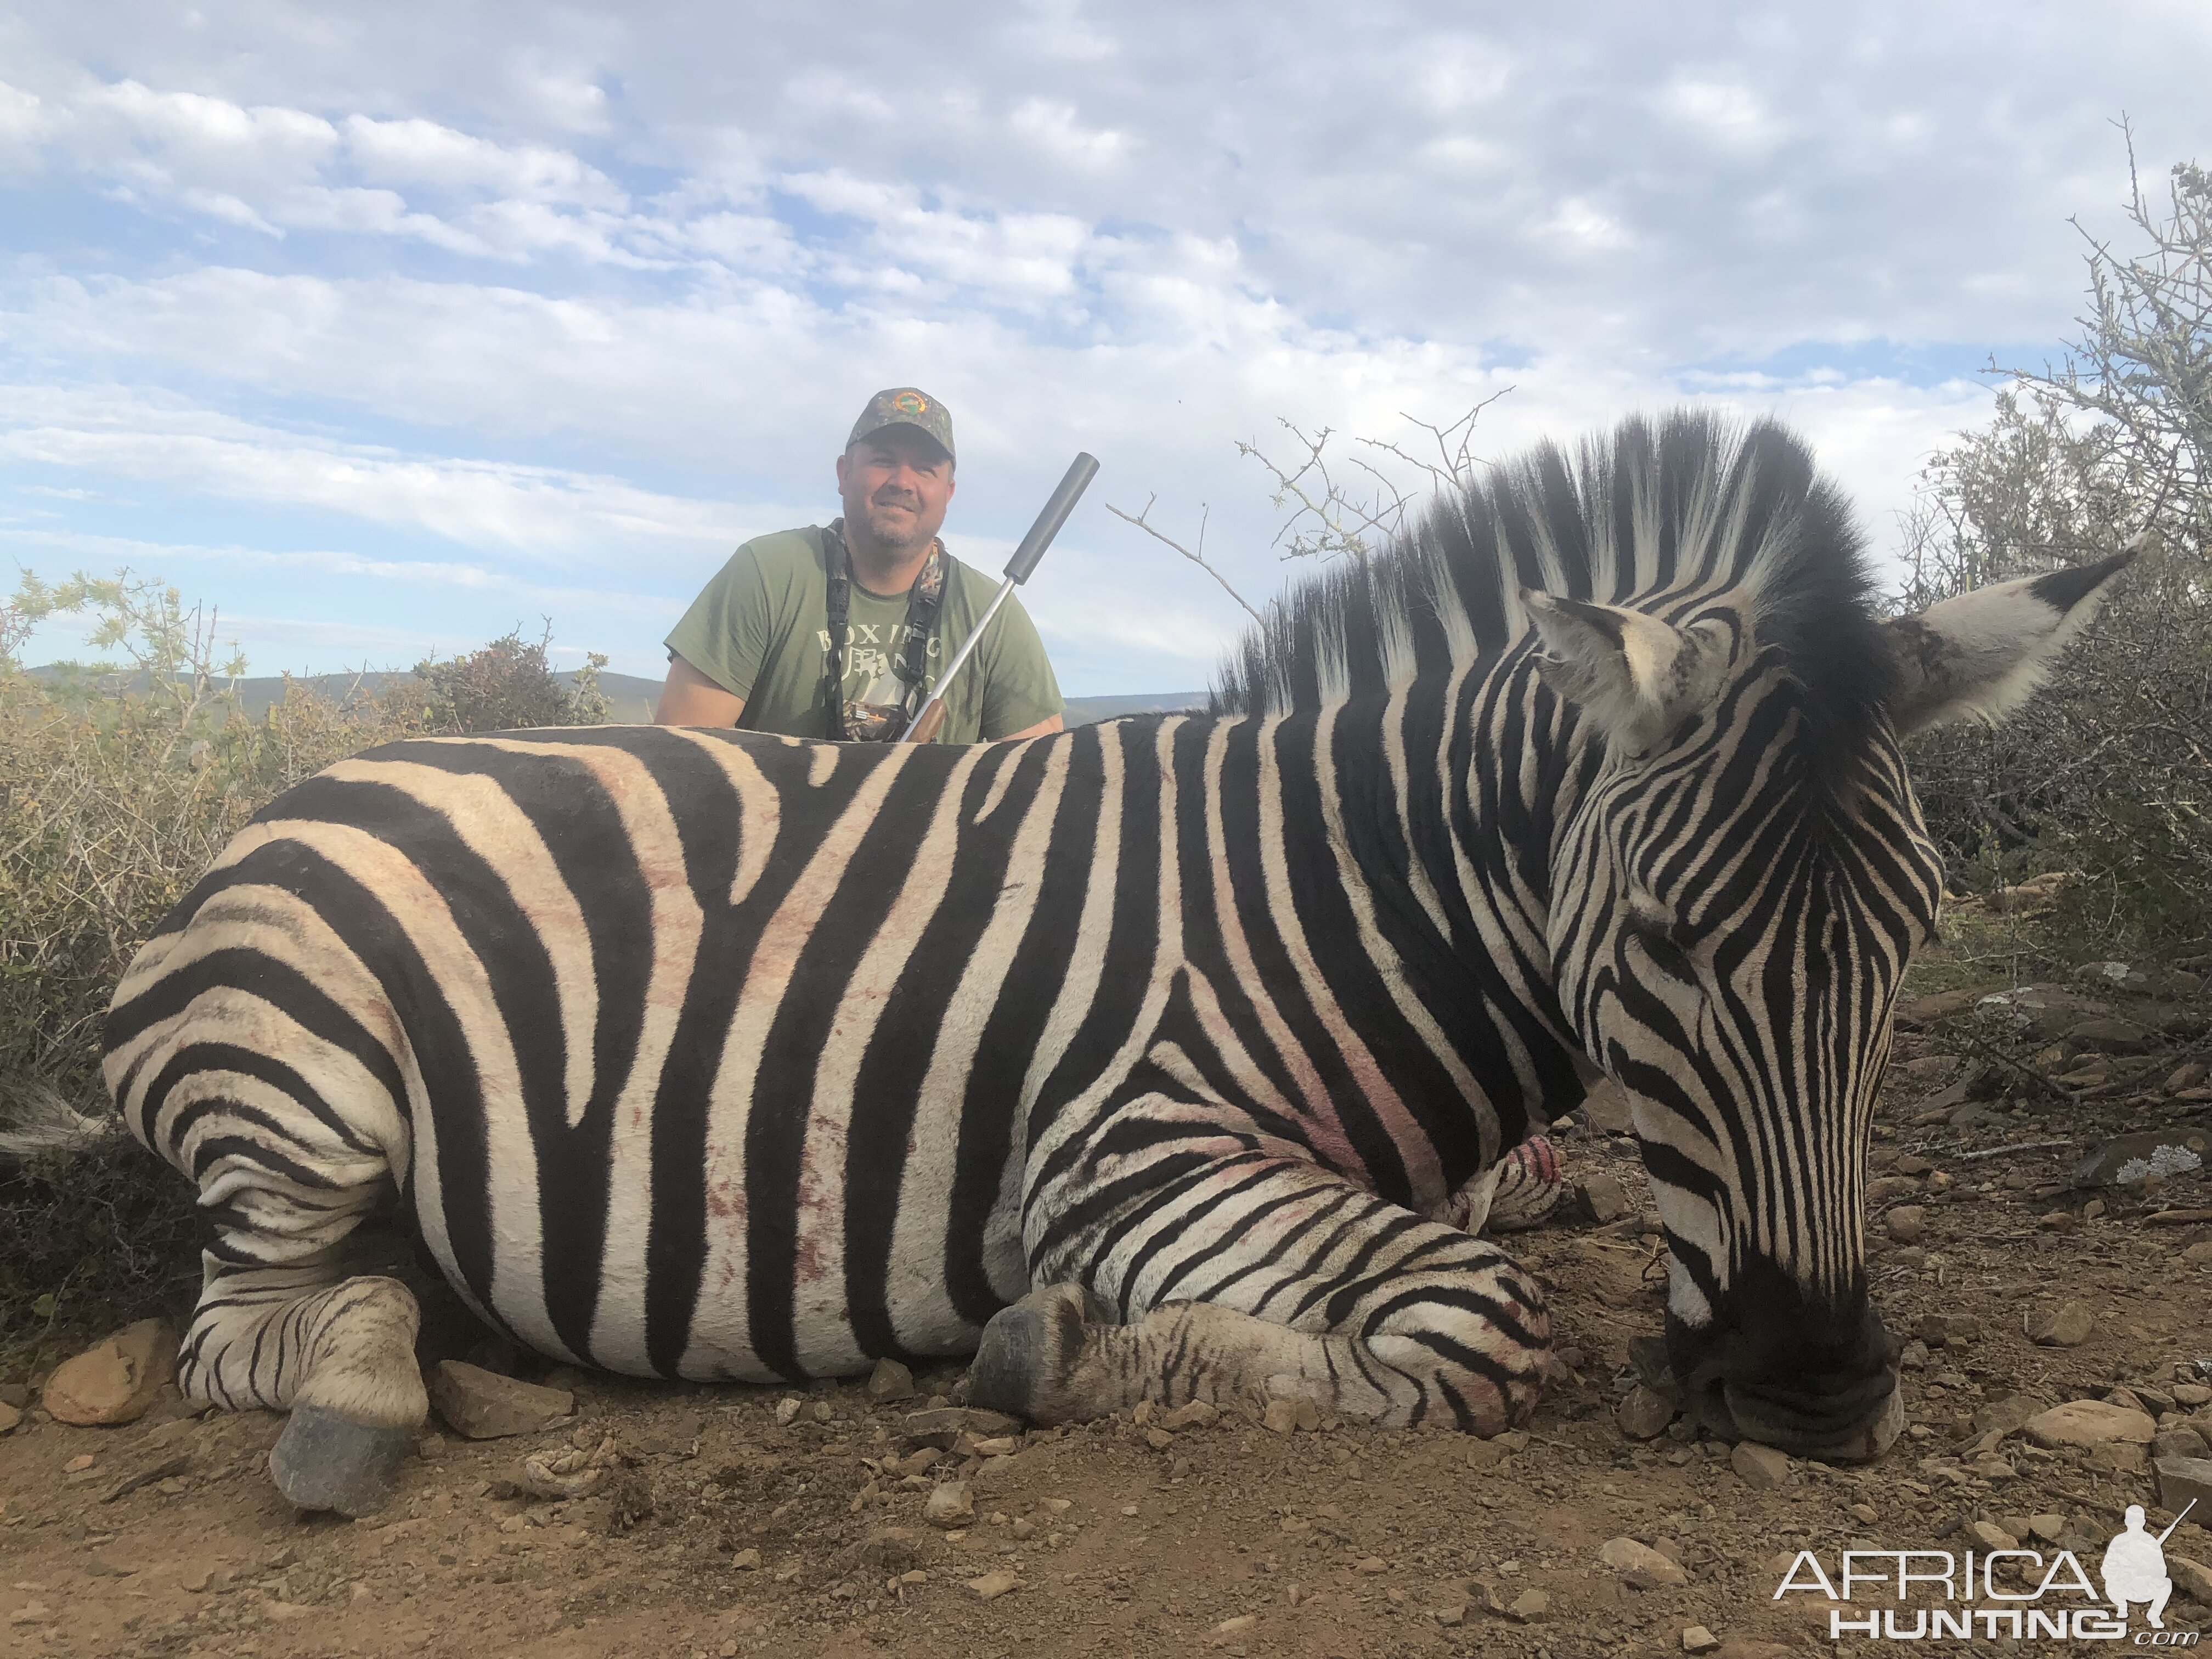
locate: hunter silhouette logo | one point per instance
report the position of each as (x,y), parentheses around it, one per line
(2133,1567)
(1972,1593)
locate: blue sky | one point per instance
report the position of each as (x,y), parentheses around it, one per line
(384,329)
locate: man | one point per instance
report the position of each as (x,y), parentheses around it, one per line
(841,632)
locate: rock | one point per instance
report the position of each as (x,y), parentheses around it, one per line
(2110,1036)
(788,1410)
(950,1505)
(1372,1565)
(17,1394)
(889,1381)
(1883,1191)
(1943,1005)
(1640,1564)
(2192,1578)
(2056,1221)
(1281,1417)
(1906,1223)
(2066,1326)
(941,1425)
(9,1417)
(1599,1199)
(1196,1414)
(746,1560)
(1644,1414)
(2184,1480)
(114,1381)
(1605,1108)
(992,1585)
(1696,1639)
(2004,1416)
(483,1405)
(2180,1440)
(1529,1607)
(1991,1536)
(2192,1395)
(2090,1423)
(1238,1625)
(1760,1467)
(2138,1156)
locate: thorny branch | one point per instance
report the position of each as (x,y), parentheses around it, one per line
(1197,557)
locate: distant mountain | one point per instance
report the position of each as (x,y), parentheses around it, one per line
(634,698)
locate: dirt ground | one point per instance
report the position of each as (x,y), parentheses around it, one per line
(724,1532)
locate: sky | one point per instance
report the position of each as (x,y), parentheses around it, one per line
(384,330)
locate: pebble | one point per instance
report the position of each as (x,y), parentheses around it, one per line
(1696,1639)
(1991,1536)
(2090,1423)
(1197,1414)
(1372,1564)
(1640,1564)
(1906,1223)
(2046,1528)
(889,1381)
(2192,1395)
(9,1417)
(788,1410)
(746,1560)
(1881,1191)
(992,1585)
(2109,1036)
(950,1505)
(2056,1221)
(1600,1199)
(2180,1440)
(483,1405)
(1644,1414)
(2066,1326)
(1760,1467)
(115,1380)
(1529,1607)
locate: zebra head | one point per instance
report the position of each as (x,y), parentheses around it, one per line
(1738,884)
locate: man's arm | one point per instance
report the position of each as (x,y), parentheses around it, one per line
(689,698)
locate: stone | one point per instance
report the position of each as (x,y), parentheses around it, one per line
(1696,1639)
(1605,1108)
(2046,1528)
(992,1585)
(2180,1440)
(2142,1155)
(2090,1423)
(2192,1578)
(889,1382)
(1237,1625)
(1640,1564)
(2066,1326)
(2109,1036)
(1906,1223)
(788,1410)
(1887,1188)
(1372,1565)
(1991,1536)
(17,1394)
(1943,1005)
(2192,1395)
(2182,1481)
(1599,1198)
(9,1417)
(1758,1467)
(942,1426)
(114,1381)
(1644,1414)
(1196,1414)
(1529,1607)
(1908,1163)
(483,1405)
(1281,1417)
(2054,1221)
(746,1560)
(950,1505)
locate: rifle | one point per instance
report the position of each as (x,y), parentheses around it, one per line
(930,720)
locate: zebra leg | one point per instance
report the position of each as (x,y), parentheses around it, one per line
(336,1350)
(1263,1277)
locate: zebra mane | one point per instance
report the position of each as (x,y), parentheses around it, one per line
(1657,514)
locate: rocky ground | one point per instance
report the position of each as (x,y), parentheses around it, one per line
(2042,1230)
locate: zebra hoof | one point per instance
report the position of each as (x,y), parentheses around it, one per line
(1028,1349)
(326,1461)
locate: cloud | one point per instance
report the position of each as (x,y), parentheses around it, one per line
(536,293)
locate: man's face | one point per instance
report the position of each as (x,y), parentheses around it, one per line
(897,483)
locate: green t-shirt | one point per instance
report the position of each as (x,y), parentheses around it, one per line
(761,631)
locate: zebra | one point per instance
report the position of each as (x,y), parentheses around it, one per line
(1177,1055)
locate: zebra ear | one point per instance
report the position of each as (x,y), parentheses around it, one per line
(1980,655)
(1632,674)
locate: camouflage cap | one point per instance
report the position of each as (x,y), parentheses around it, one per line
(902,405)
